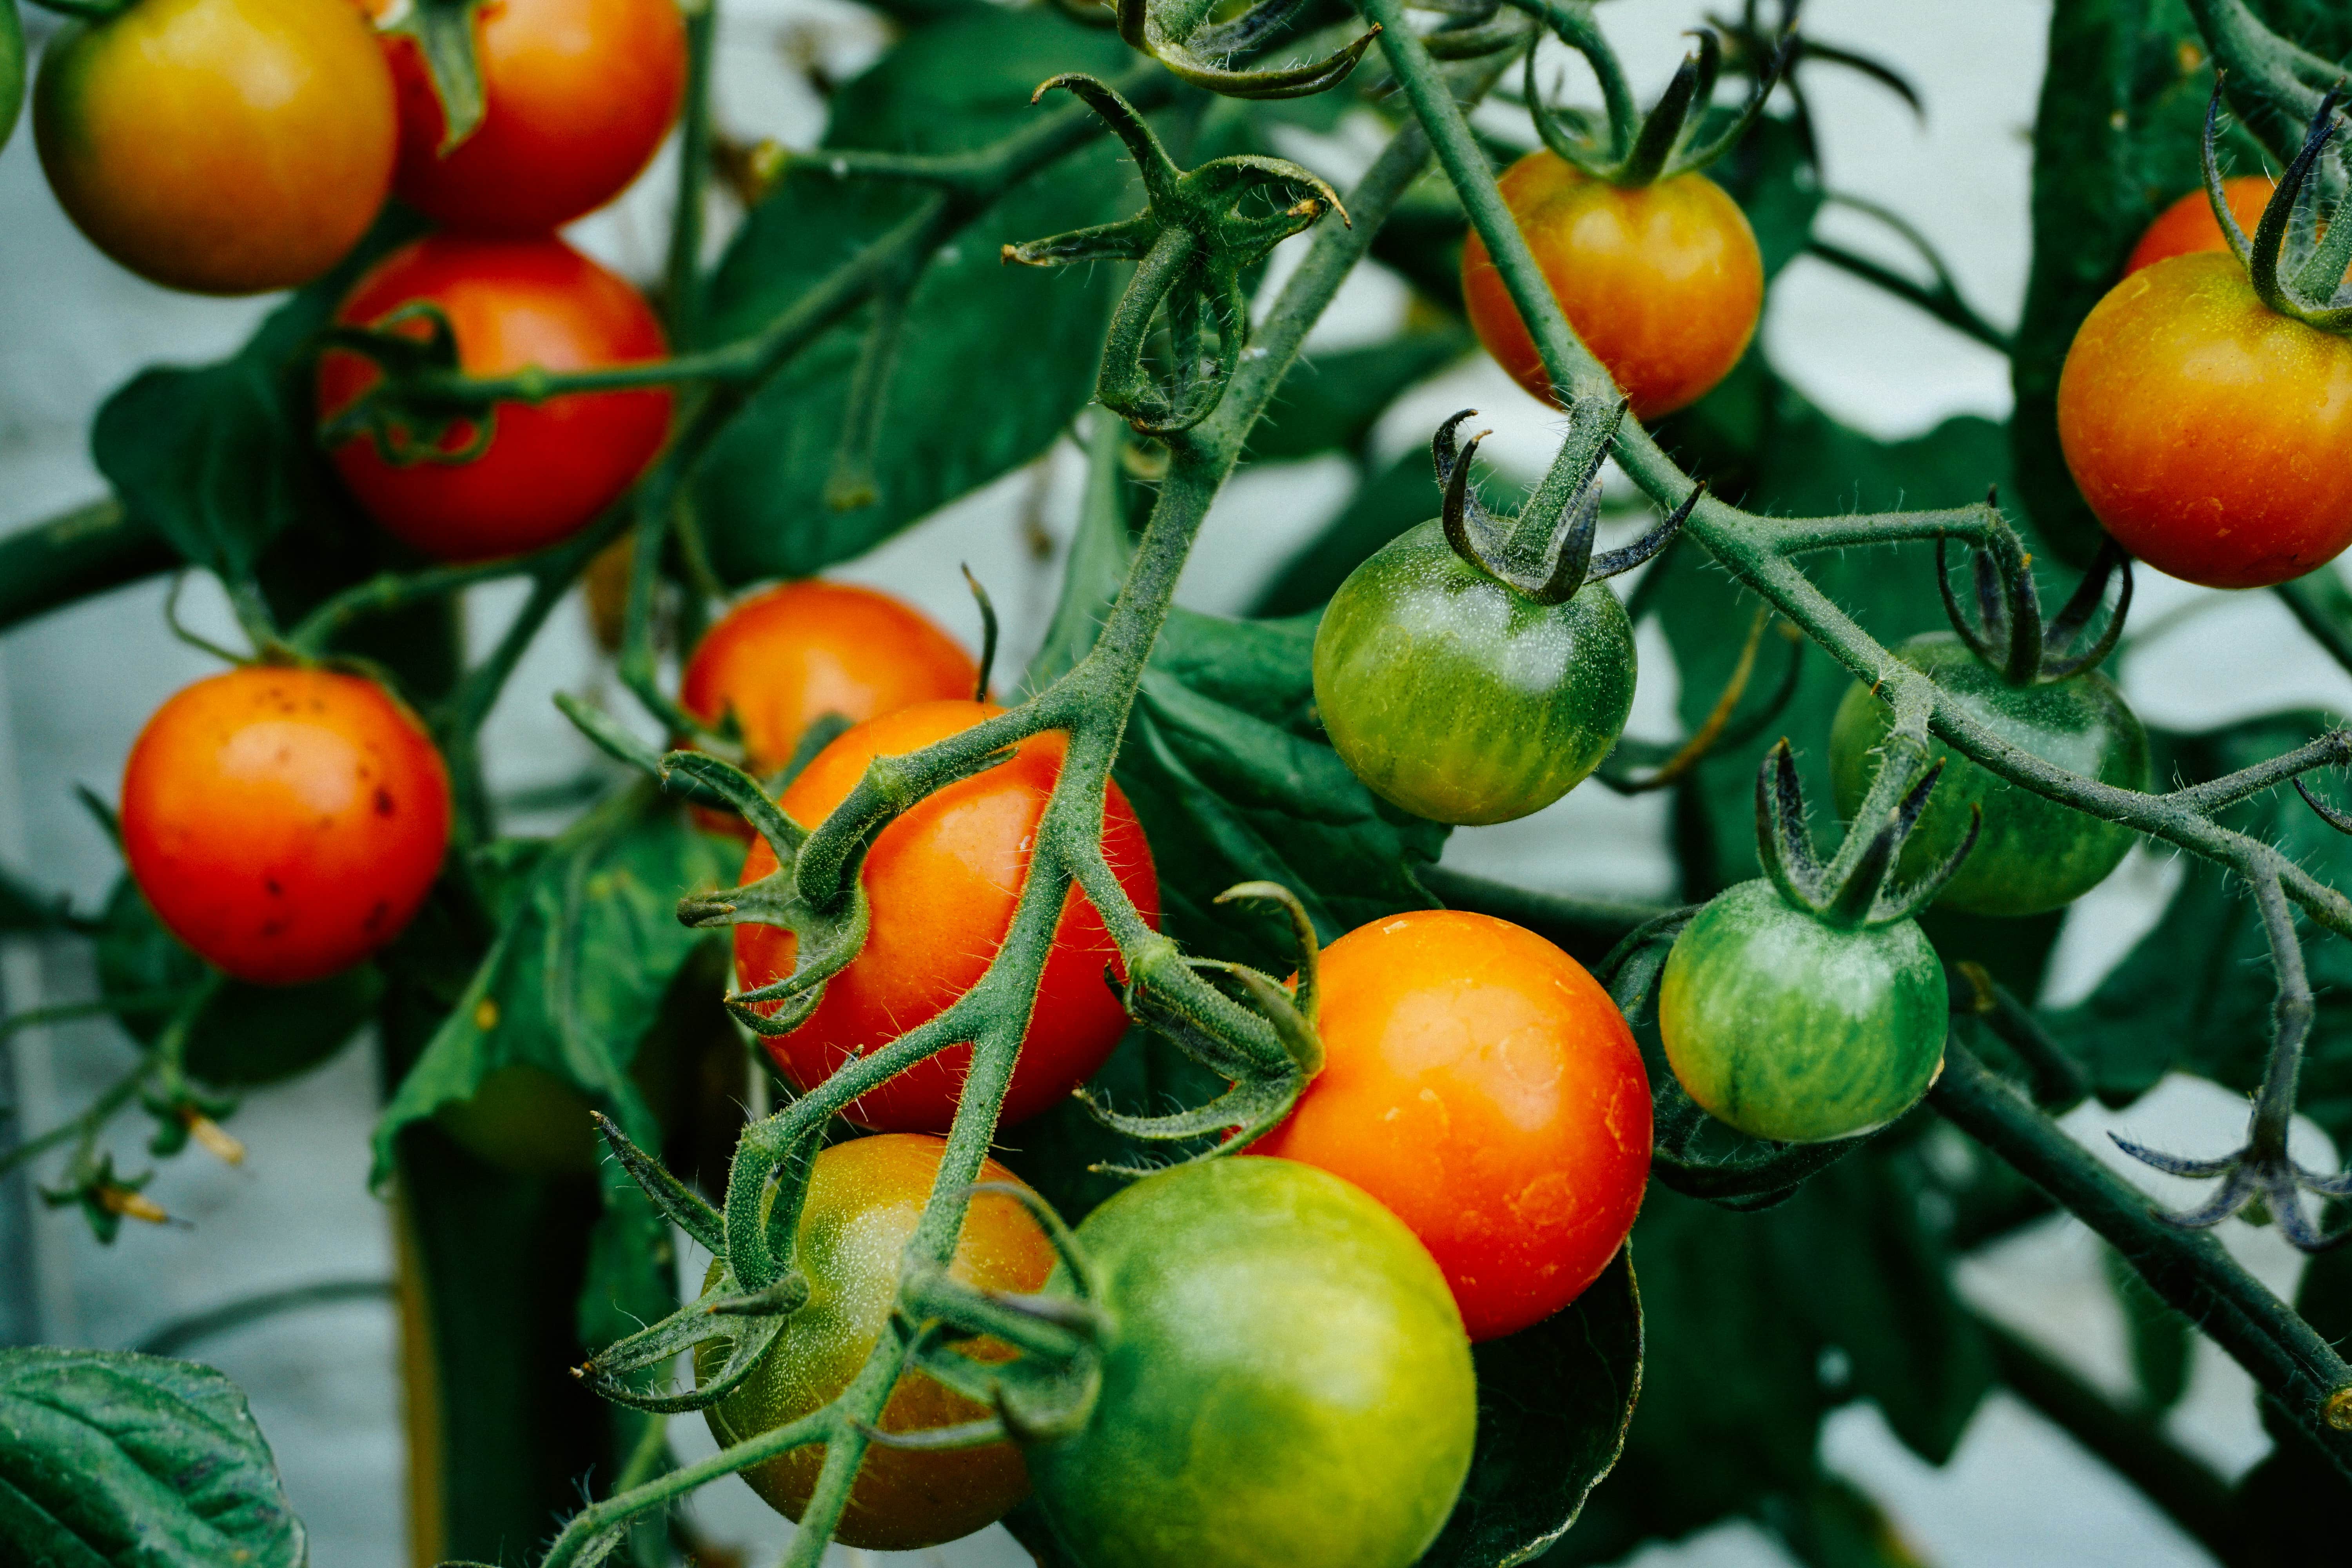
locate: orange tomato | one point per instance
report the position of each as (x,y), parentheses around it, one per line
(1663,282)
(1484,1086)
(942,881)
(221,146)
(576,98)
(2187,226)
(551,466)
(284,822)
(2209,434)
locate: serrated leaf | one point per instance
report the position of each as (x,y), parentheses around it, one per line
(112,1459)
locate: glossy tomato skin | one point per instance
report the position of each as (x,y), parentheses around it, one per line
(1459,698)
(1288,1387)
(2207,432)
(576,98)
(1787,1027)
(1484,1088)
(942,881)
(2031,854)
(2187,226)
(220,146)
(551,466)
(1664,283)
(864,1198)
(791,654)
(284,822)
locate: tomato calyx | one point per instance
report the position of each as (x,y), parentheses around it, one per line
(1670,140)
(1855,891)
(1194,241)
(1545,552)
(1183,38)
(2295,261)
(411,415)
(2007,631)
(444,31)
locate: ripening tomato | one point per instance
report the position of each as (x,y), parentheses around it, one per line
(1663,282)
(942,881)
(222,146)
(865,1198)
(2187,226)
(576,97)
(551,466)
(2208,432)
(795,652)
(1484,1088)
(284,822)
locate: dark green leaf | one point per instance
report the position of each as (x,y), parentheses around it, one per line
(1332,400)
(995,360)
(1768,176)
(1384,505)
(115,1461)
(2160,1339)
(1553,1405)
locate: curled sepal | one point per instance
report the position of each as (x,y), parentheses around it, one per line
(685,1207)
(825,937)
(443,33)
(2298,267)
(1303,999)
(2005,628)
(1180,35)
(403,415)
(2334,817)
(1857,888)
(1201,231)
(612,1372)
(1668,140)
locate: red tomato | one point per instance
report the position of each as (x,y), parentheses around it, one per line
(941,881)
(576,97)
(284,822)
(1663,282)
(1484,1088)
(551,466)
(2187,226)
(2207,432)
(795,652)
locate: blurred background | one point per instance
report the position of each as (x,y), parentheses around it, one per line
(325,1379)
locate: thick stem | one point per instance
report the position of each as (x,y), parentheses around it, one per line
(682,277)
(2291,1016)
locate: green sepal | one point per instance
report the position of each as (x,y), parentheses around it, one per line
(444,31)
(402,416)
(1179,37)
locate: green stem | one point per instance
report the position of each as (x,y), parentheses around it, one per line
(49,564)
(683,293)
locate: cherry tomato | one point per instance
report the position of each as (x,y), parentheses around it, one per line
(1288,1382)
(1788,1027)
(284,822)
(2208,432)
(942,881)
(864,1198)
(1663,282)
(223,146)
(795,652)
(1484,1088)
(551,466)
(2187,226)
(1458,697)
(2031,854)
(576,97)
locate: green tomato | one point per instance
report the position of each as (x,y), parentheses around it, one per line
(1460,699)
(1788,1027)
(2031,852)
(12,69)
(1288,1384)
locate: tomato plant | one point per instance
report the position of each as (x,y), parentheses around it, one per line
(2187,226)
(1484,1088)
(224,146)
(285,822)
(545,468)
(576,97)
(863,1198)
(942,880)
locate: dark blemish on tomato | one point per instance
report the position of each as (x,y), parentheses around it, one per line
(276,892)
(375,916)
(384,806)
(273,928)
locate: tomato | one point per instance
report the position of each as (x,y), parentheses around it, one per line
(576,97)
(2207,432)
(2031,854)
(798,651)
(1288,1384)
(1663,282)
(551,466)
(1484,1086)
(864,1198)
(1458,697)
(223,146)
(942,881)
(1788,1027)
(284,822)
(2187,226)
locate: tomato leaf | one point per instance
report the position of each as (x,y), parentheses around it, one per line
(1331,401)
(993,363)
(108,1457)
(1554,1402)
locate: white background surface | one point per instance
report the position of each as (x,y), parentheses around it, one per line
(75,687)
